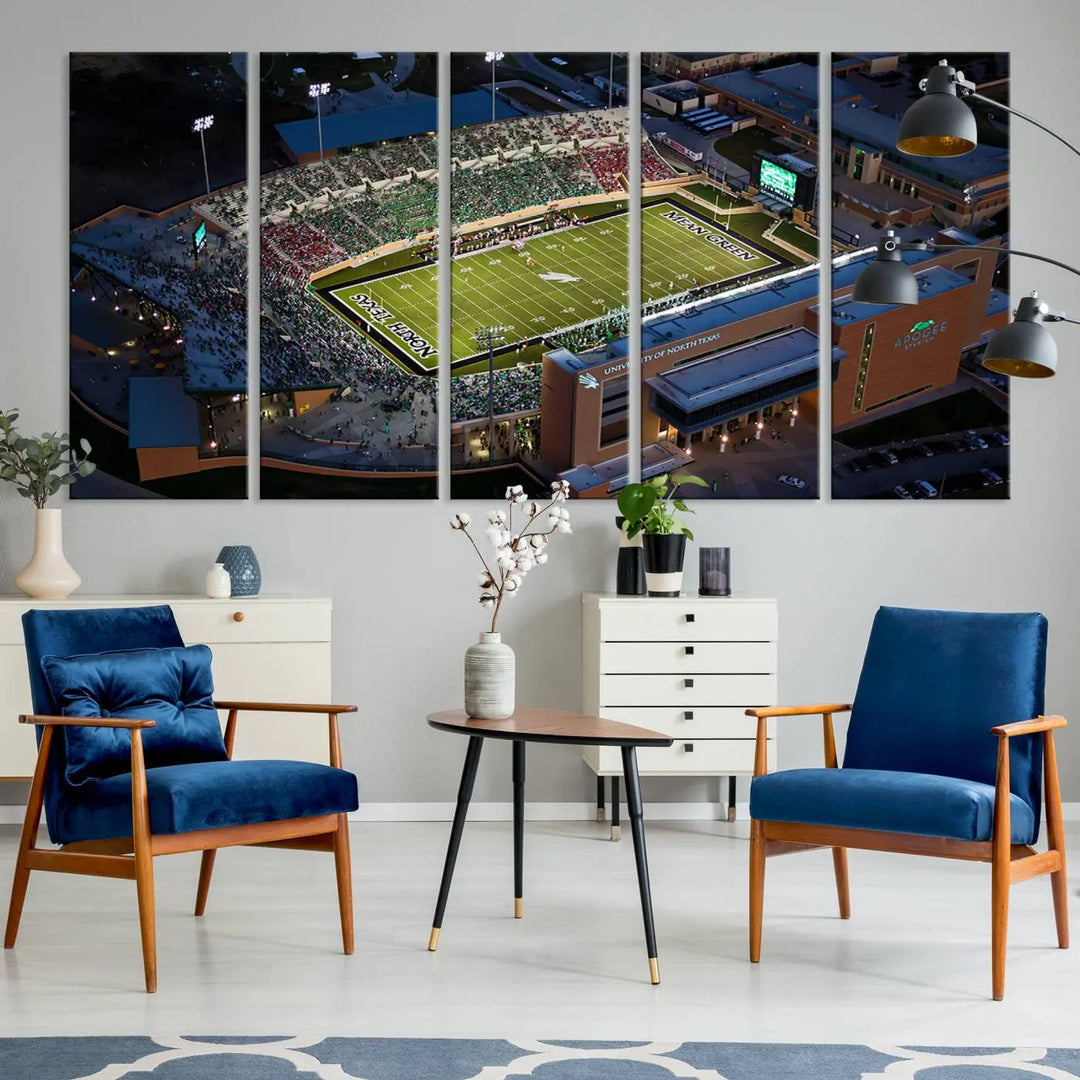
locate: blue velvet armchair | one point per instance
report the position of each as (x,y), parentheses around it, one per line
(132,763)
(947,754)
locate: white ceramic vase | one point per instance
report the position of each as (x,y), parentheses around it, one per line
(489,678)
(218,582)
(48,575)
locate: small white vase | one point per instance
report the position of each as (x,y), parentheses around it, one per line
(218,582)
(489,678)
(48,576)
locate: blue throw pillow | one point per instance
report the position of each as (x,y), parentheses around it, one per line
(173,686)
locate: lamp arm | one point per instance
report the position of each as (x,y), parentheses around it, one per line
(935,246)
(1023,116)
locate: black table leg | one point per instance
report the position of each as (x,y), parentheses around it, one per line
(731,798)
(637,827)
(465,790)
(519,826)
(599,798)
(616,831)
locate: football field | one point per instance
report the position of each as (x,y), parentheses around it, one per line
(555,281)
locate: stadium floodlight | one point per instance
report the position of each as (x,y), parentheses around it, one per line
(939,124)
(1026,350)
(487,337)
(317,90)
(493,58)
(201,125)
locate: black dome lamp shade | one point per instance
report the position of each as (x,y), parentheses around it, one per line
(1024,348)
(887,280)
(938,124)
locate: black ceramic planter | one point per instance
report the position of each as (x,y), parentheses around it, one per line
(664,555)
(630,569)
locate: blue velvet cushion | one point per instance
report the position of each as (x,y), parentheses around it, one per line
(886,800)
(70,632)
(207,795)
(172,686)
(933,684)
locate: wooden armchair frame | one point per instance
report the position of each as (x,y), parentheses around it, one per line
(1009,863)
(132,857)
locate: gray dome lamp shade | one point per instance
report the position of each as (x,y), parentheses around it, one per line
(1024,348)
(887,280)
(938,124)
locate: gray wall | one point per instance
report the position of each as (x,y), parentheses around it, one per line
(402,583)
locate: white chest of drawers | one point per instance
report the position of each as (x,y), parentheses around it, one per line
(686,666)
(266,648)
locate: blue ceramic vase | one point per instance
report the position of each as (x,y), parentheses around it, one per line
(243,569)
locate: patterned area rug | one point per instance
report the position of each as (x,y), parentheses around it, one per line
(291,1058)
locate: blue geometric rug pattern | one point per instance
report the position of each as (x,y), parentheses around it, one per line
(295,1058)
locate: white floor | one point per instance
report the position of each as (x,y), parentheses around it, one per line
(911,967)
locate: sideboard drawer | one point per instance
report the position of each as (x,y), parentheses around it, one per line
(709,722)
(708,757)
(689,619)
(687,690)
(215,621)
(707,657)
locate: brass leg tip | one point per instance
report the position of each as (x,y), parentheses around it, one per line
(600,813)
(433,941)
(654,971)
(519,907)
(616,832)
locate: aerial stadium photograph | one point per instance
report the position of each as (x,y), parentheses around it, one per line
(348,205)
(915,413)
(158,273)
(729,273)
(540,271)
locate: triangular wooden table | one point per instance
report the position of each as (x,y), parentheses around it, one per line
(528,724)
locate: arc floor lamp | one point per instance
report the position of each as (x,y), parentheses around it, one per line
(940,124)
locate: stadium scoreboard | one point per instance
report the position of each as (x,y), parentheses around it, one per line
(788,179)
(199,239)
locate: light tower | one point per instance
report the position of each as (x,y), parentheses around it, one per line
(201,125)
(487,337)
(493,58)
(317,90)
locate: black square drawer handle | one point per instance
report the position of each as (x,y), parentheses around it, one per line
(688,715)
(689,616)
(688,683)
(688,748)
(689,650)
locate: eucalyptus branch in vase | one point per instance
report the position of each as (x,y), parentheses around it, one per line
(516,547)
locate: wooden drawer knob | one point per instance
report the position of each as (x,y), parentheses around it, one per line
(238,616)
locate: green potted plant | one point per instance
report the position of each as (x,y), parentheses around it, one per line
(652,509)
(39,468)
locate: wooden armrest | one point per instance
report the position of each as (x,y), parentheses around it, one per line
(1029,727)
(280,706)
(87,721)
(797,710)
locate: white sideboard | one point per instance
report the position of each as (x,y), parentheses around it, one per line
(686,666)
(266,648)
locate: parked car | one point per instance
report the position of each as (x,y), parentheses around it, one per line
(856,466)
(885,457)
(792,481)
(902,492)
(923,489)
(990,476)
(925,450)
(1000,438)
(975,442)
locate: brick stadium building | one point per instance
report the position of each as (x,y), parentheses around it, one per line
(725,360)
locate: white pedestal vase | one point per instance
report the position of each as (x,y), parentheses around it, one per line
(48,575)
(489,678)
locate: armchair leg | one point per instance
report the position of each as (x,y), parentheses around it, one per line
(999,902)
(27,840)
(206,871)
(839,858)
(144,861)
(1055,834)
(757,887)
(343,866)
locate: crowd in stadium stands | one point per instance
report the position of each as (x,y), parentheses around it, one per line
(210,303)
(301,245)
(516,390)
(228,207)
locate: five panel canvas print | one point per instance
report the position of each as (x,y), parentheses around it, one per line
(546,188)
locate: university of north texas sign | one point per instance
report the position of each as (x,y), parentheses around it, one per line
(921,333)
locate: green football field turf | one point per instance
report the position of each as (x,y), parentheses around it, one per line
(556,281)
